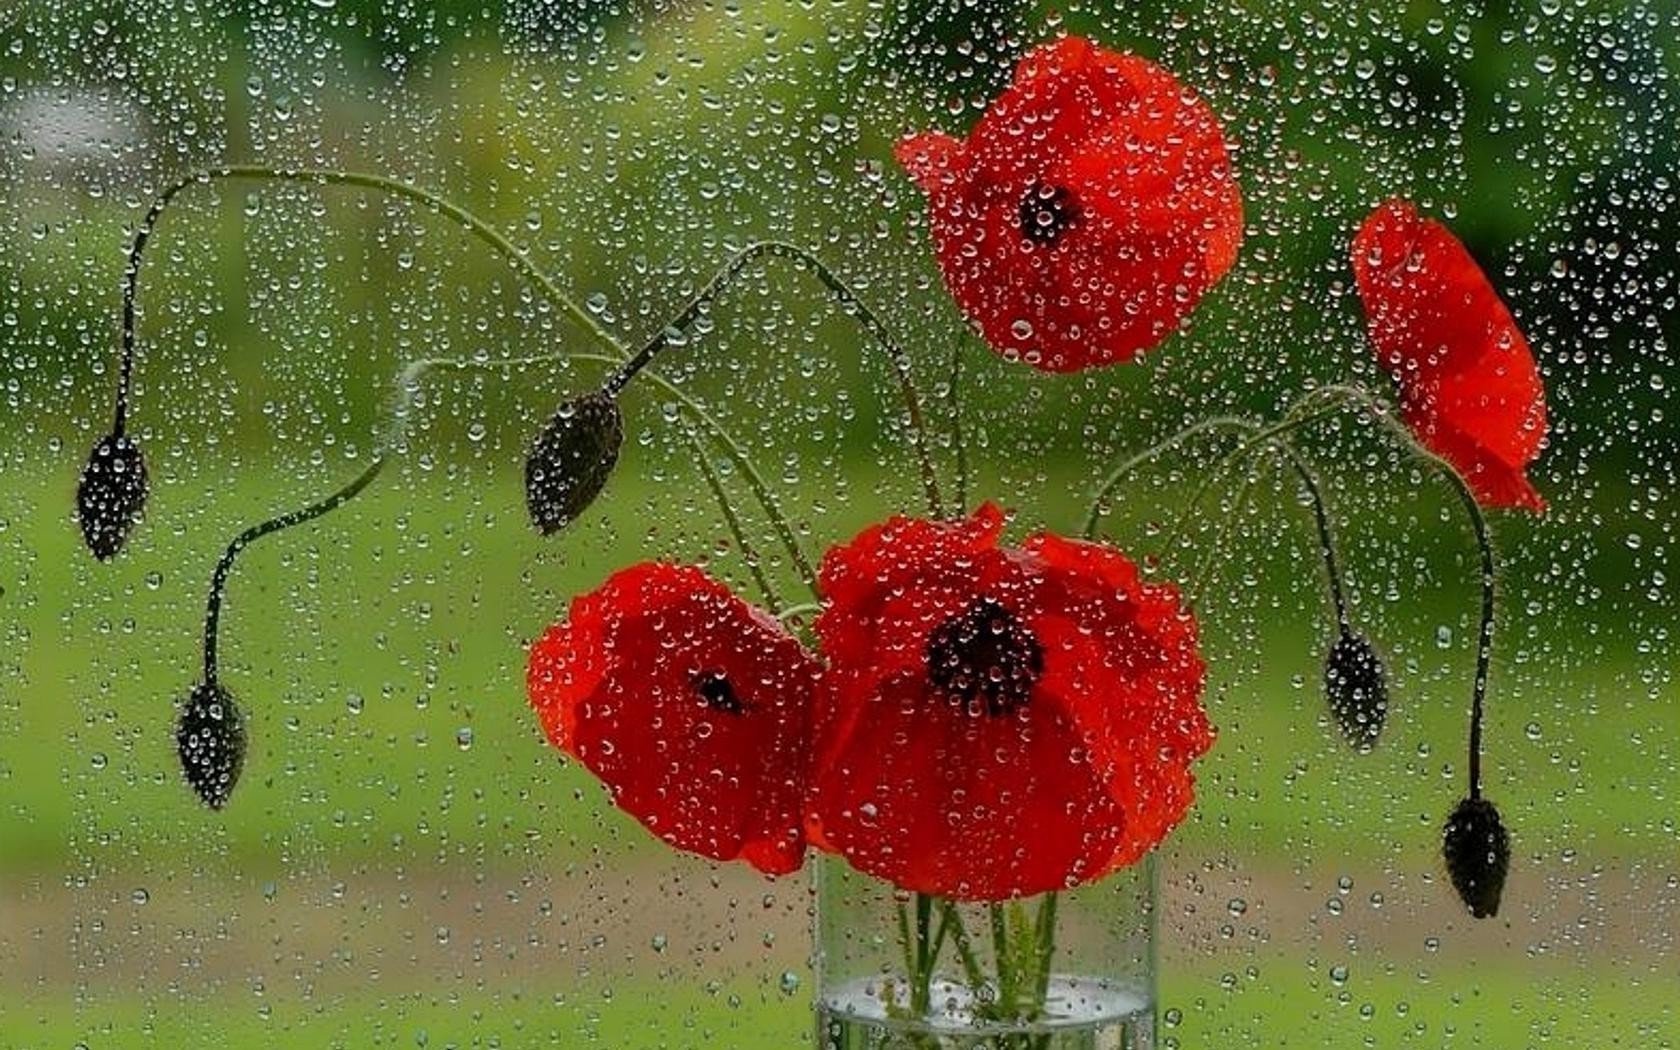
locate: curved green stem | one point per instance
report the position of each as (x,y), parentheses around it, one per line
(495,240)
(1203,577)
(965,947)
(1094,515)
(849,302)
(1326,537)
(405,387)
(957,437)
(755,480)
(704,462)
(1484,543)
(218,579)
(1297,416)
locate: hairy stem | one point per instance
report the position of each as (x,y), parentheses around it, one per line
(495,240)
(405,387)
(849,302)
(1484,543)
(733,520)
(738,455)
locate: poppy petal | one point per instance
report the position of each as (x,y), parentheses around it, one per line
(1095,207)
(999,721)
(931,158)
(1470,389)
(690,705)
(920,790)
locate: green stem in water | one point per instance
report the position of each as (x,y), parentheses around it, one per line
(849,302)
(489,235)
(972,970)
(1002,960)
(1046,929)
(921,994)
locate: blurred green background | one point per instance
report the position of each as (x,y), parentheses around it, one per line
(406,864)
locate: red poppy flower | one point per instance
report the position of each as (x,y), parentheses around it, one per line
(692,707)
(1087,212)
(1469,387)
(999,722)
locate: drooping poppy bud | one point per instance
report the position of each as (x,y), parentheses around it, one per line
(1357,687)
(111,495)
(571,460)
(210,738)
(1478,854)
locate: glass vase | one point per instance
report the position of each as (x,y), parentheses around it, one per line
(903,971)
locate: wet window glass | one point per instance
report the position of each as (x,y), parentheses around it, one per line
(857,525)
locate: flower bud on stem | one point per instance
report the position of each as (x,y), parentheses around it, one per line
(1478,874)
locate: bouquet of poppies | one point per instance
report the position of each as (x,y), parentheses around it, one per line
(976,720)
(971,718)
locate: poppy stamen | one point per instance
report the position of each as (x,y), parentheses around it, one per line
(985,654)
(719,695)
(1047,212)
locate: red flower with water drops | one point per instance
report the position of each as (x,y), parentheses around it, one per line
(1087,212)
(690,705)
(997,722)
(1469,387)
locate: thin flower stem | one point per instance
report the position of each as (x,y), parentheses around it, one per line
(904,940)
(922,991)
(1002,959)
(1484,544)
(850,303)
(1326,538)
(218,579)
(1337,392)
(802,609)
(1294,419)
(957,436)
(1046,931)
(405,387)
(1094,516)
(755,481)
(515,256)
(1321,521)
(965,948)
(733,520)
(1201,579)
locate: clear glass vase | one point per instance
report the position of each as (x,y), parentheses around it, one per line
(1066,971)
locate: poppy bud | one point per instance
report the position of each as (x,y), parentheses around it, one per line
(1357,689)
(571,460)
(1478,854)
(210,738)
(111,495)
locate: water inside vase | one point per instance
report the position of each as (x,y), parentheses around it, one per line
(1082,1013)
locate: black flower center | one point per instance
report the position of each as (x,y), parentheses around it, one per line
(985,655)
(1047,212)
(719,695)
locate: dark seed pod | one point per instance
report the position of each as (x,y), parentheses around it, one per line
(571,460)
(1357,688)
(1478,854)
(111,495)
(210,738)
